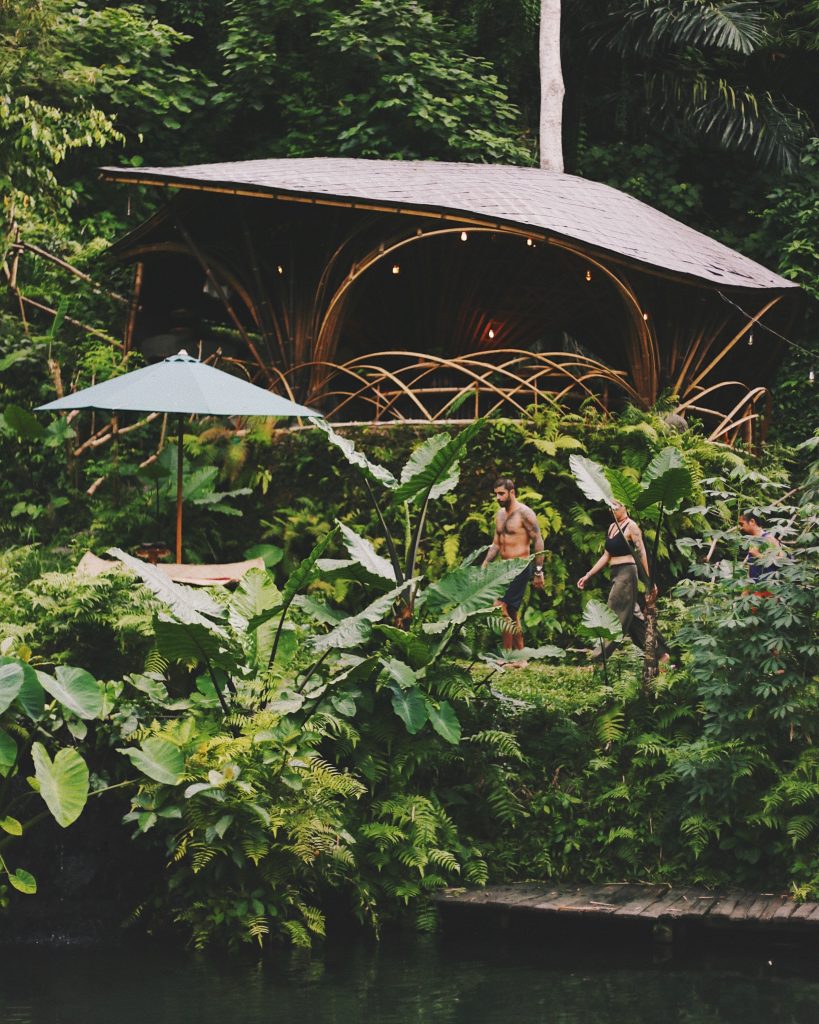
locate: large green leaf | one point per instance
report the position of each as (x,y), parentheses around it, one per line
(591,479)
(356,629)
(31,697)
(23,881)
(600,621)
(256,594)
(444,721)
(430,467)
(623,488)
(416,649)
(362,551)
(411,707)
(421,458)
(305,569)
(188,604)
(370,469)
(159,759)
(75,689)
(401,673)
(471,589)
(23,424)
(331,569)
(8,753)
(11,682)
(63,782)
(667,480)
(190,643)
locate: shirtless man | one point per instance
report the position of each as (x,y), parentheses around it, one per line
(516,529)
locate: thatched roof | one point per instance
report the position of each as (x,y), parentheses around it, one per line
(575,209)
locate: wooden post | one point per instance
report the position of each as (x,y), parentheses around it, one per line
(179,492)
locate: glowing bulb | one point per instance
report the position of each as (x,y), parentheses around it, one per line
(491,333)
(463,236)
(530,241)
(645,316)
(280,269)
(751,338)
(811,378)
(396,269)
(588,275)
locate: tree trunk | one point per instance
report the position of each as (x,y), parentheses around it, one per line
(650,658)
(551,87)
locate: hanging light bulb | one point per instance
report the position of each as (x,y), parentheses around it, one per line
(588,275)
(491,333)
(463,236)
(750,339)
(396,269)
(645,316)
(530,241)
(279,269)
(811,378)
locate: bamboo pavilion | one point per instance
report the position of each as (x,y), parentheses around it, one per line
(385,289)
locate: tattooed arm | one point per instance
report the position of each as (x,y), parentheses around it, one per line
(532,528)
(635,535)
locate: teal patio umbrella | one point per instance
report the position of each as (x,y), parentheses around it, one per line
(184,386)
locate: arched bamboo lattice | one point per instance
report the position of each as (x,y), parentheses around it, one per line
(391,385)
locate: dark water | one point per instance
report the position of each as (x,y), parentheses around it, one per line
(409,980)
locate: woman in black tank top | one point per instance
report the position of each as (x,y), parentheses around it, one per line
(624,541)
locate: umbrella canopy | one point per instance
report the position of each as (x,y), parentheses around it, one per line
(184,386)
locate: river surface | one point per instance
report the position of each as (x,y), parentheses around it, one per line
(408,980)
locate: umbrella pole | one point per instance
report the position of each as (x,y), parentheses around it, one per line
(179,491)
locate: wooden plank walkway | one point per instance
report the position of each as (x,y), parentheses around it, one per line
(658,904)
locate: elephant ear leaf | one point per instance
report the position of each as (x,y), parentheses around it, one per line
(432,469)
(371,470)
(591,478)
(12,678)
(471,589)
(75,689)
(159,759)
(600,622)
(666,481)
(362,551)
(187,603)
(63,782)
(357,628)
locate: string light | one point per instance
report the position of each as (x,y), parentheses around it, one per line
(463,236)
(811,378)
(588,275)
(765,327)
(530,241)
(396,269)
(279,269)
(645,316)
(491,333)
(750,339)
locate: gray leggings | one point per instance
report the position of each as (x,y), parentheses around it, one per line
(623,602)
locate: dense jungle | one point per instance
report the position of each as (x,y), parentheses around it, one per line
(339,737)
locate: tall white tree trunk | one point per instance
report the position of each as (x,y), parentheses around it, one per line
(551,87)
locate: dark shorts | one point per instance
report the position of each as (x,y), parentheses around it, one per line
(513,598)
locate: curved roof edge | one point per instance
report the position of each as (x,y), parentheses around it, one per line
(573,208)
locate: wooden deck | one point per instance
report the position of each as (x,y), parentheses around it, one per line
(656,905)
